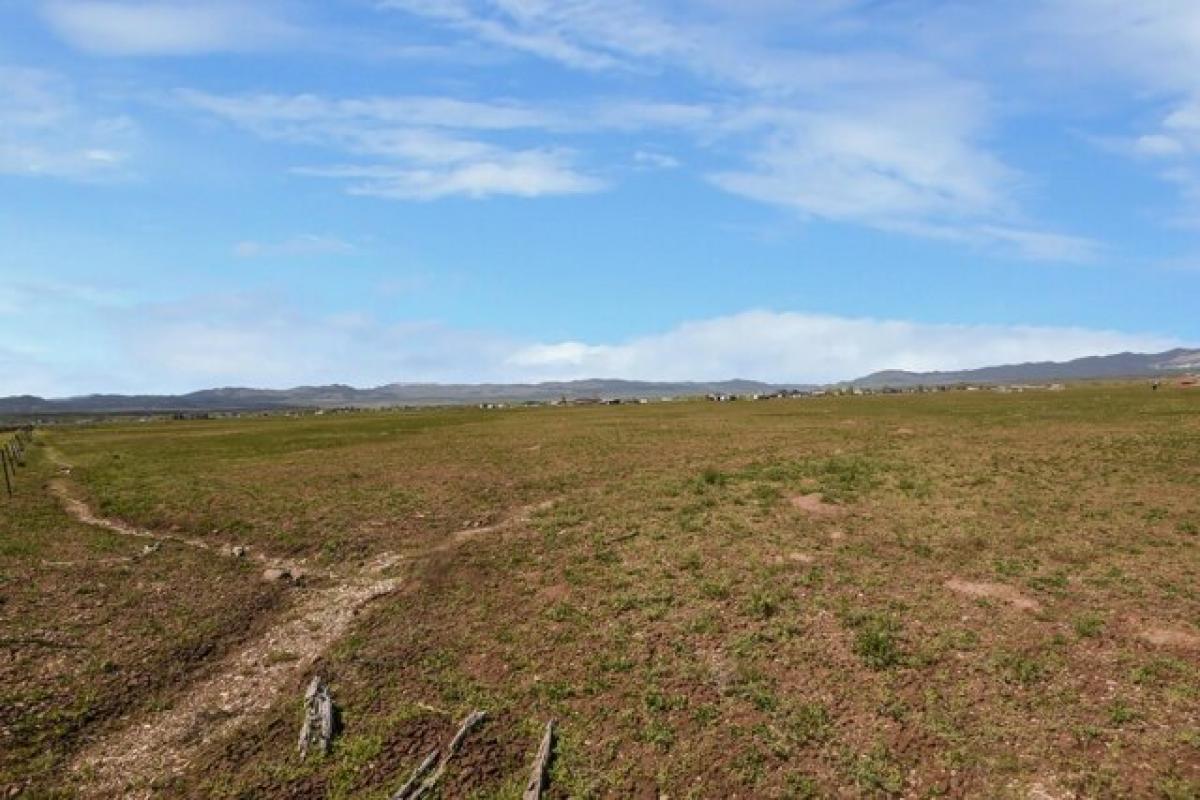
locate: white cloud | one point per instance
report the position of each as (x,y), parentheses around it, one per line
(655,160)
(45,131)
(417,144)
(1154,43)
(793,347)
(257,340)
(156,28)
(299,116)
(871,134)
(530,173)
(508,31)
(1151,47)
(260,341)
(296,246)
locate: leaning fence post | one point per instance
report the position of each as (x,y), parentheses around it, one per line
(7,482)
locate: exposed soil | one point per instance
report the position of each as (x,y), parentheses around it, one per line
(815,505)
(1166,637)
(245,685)
(82,512)
(658,611)
(150,750)
(993,591)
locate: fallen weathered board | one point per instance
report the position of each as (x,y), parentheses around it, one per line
(537,777)
(473,719)
(410,786)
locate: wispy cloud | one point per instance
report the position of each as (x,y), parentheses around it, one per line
(173,28)
(411,148)
(652,159)
(870,134)
(46,131)
(296,246)
(1151,48)
(527,173)
(514,29)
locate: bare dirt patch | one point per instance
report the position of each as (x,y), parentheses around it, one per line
(993,591)
(245,685)
(1167,637)
(815,505)
(78,508)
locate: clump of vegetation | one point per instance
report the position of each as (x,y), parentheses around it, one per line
(1119,712)
(1089,625)
(876,638)
(878,772)
(1025,668)
(843,478)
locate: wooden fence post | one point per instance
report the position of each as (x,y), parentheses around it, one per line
(7,482)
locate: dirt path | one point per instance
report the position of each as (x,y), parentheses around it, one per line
(247,682)
(245,685)
(78,508)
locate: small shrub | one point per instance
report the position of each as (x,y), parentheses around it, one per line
(876,639)
(1023,668)
(1119,713)
(808,722)
(1088,626)
(878,772)
(764,604)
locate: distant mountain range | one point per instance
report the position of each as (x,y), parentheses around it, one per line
(1121,365)
(395,394)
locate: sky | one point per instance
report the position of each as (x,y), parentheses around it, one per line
(289,192)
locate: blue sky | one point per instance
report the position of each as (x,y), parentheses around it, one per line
(198,194)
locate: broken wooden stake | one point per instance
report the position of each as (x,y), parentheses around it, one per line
(4,466)
(537,778)
(473,719)
(468,724)
(406,791)
(318,718)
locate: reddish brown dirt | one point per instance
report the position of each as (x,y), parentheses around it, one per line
(993,591)
(150,750)
(1166,637)
(815,505)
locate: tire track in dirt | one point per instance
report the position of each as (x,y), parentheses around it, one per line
(162,744)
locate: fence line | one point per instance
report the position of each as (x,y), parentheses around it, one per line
(12,455)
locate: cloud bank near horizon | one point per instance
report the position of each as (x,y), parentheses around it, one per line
(235,341)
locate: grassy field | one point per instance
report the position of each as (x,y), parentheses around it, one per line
(948,595)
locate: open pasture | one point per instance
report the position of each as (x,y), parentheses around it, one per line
(955,594)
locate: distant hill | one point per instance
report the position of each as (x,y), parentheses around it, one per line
(1121,365)
(395,394)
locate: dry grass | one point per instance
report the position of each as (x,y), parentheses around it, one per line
(695,632)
